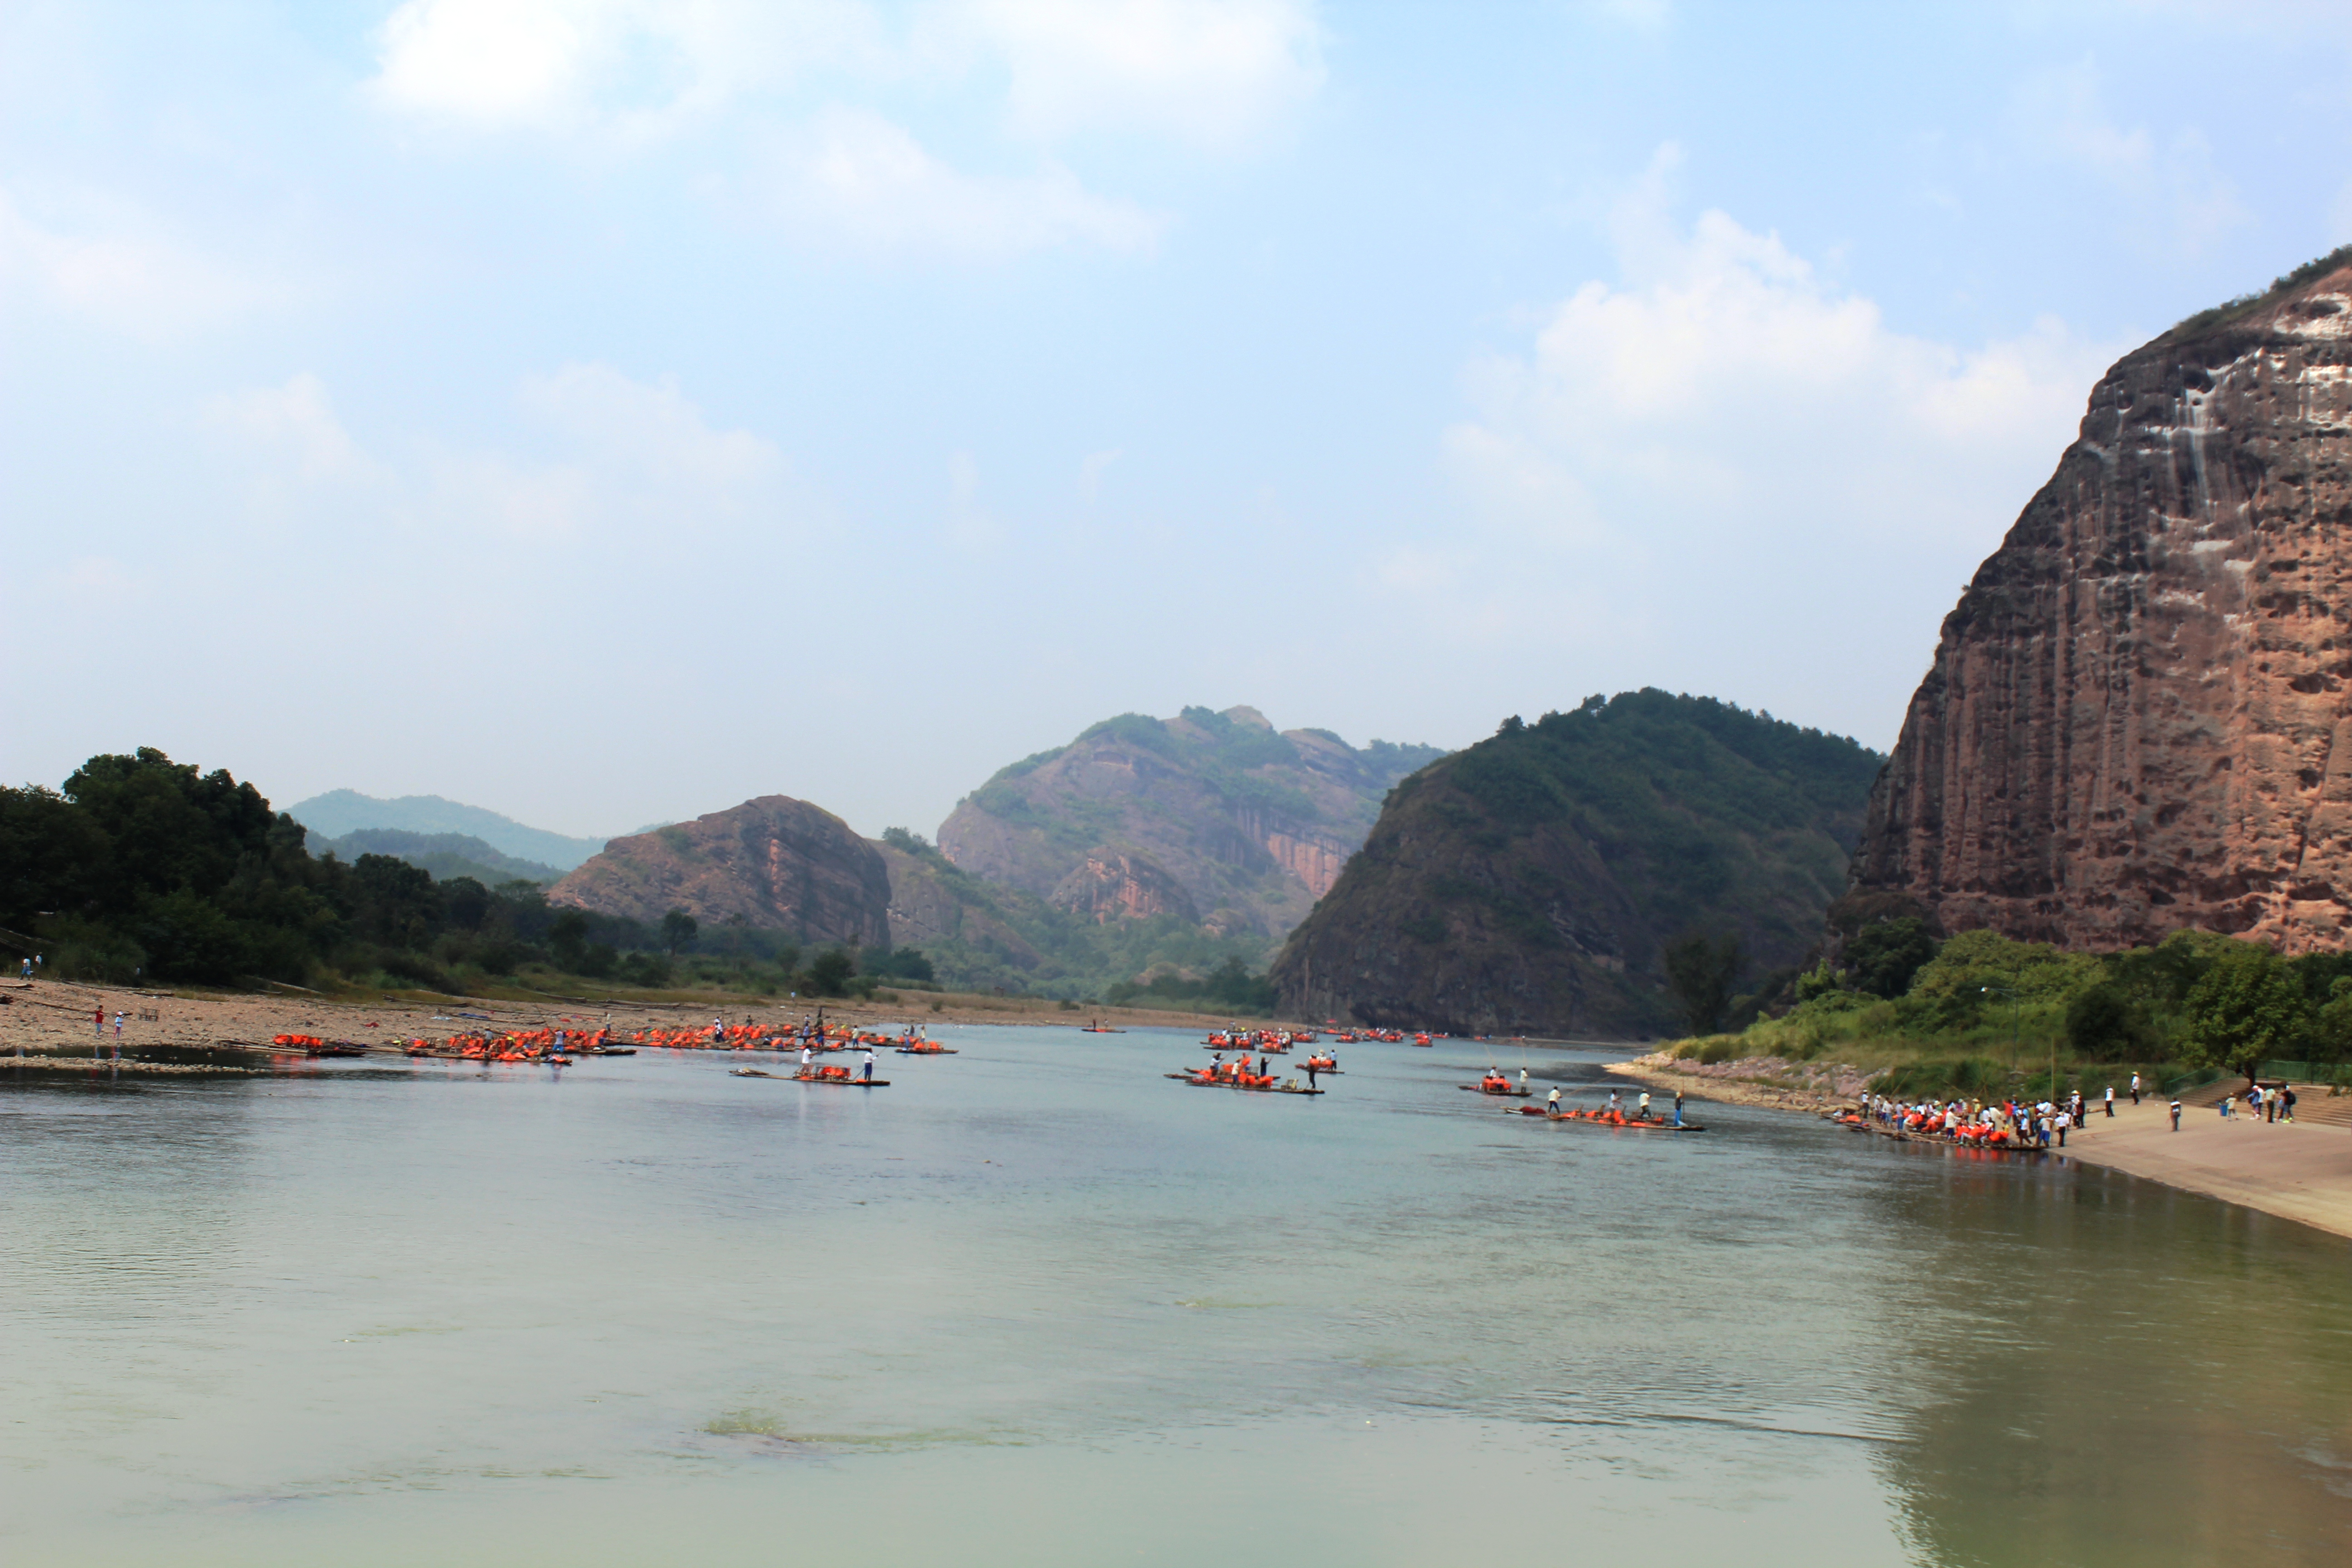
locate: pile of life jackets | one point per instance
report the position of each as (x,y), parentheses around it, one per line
(297,1042)
(1277,1040)
(1609,1117)
(824,1072)
(516,1046)
(1323,1063)
(1493,1083)
(707,1037)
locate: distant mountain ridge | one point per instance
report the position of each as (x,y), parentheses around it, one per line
(1215,816)
(341,812)
(1530,884)
(446,855)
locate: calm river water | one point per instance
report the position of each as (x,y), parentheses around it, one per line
(1033,1304)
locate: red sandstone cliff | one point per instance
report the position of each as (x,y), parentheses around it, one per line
(2137,720)
(777,862)
(1111,884)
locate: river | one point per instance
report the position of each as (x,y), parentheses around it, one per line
(1034,1304)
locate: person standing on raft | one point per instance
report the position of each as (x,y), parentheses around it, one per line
(866,1070)
(1551,1103)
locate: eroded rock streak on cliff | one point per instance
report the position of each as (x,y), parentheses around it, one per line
(2135,719)
(774,862)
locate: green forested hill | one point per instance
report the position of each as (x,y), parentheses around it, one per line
(447,856)
(1533,882)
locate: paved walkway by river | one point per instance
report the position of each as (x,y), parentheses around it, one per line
(2298,1171)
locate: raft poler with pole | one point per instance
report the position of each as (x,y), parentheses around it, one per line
(1236,1074)
(1612,1115)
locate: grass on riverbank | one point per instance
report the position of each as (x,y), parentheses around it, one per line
(1981,1015)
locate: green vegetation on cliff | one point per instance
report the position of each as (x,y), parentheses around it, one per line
(1534,882)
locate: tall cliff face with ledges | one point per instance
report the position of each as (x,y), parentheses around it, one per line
(2139,715)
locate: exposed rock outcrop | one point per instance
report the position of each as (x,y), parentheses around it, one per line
(933,906)
(773,862)
(1114,884)
(1530,884)
(1238,816)
(2137,720)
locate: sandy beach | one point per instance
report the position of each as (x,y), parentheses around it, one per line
(2300,1170)
(54,1019)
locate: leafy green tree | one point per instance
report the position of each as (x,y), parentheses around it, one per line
(829,973)
(1700,972)
(2248,1006)
(467,902)
(47,847)
(679,929)
(393,903)
(2106,1024)
(2331,1025)
(1818,981)
(567,940)
(1884,956)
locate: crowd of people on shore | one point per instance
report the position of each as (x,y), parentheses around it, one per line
(2006,1123)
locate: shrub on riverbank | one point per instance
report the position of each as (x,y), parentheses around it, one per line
(1984,1012)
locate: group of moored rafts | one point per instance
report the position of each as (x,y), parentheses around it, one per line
(1236,1073)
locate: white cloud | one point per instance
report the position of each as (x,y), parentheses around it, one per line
(620,460)
(1213,72)
(1091,469)
(297,421)
(971,527)
(855,176)
(634,67)
(1724,438)
(119,268)
(2181,199)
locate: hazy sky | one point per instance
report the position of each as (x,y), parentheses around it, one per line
(605,410)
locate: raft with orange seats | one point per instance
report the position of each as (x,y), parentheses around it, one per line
(1256,1083)
(839,1076)
(925,1048)
(1495,1084)
(1611,1119)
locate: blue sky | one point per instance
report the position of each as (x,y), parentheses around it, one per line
(607,410)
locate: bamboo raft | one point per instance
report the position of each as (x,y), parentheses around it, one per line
(1603,1119)
(1197,1082)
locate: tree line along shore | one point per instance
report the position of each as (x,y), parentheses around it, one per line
(144,872)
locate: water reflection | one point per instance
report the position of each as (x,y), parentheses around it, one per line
(405,1303)
(2104,1370)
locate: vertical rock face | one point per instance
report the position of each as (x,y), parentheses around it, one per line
(774,862)
(2136,717)
(1112,884)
